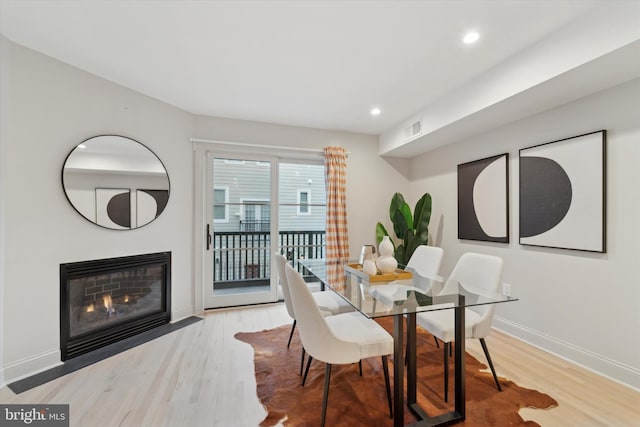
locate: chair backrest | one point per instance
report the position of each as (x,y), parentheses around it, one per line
(316,336)
(425,261)
(480,274)
(281,261)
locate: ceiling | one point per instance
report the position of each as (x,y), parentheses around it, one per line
(318,64)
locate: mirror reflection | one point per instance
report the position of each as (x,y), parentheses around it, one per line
(115,182)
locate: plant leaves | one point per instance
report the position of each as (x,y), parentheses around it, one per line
(396,202)
(404,223)
(410,245)
(406,213)
(422,214)
(400,225)
(413,245)
(399,255)
(380,233)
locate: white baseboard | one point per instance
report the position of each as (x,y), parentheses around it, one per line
(30,366)
(616,371)
(182,313)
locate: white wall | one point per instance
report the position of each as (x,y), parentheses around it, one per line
(52,107)
(5,47)
(582,306)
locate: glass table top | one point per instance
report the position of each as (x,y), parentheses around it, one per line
(377,298)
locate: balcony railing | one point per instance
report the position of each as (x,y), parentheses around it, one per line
(254,225)
(243,258)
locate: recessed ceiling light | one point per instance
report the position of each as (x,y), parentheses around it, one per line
(471,37)
(375,111)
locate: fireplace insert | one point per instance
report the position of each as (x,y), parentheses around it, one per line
(107,300)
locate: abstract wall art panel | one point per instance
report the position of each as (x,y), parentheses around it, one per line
(113,208)
(149,205)
(483,199)
(562,193)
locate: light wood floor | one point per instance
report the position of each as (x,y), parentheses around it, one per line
(201,376)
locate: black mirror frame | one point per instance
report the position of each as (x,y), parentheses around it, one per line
(64,189)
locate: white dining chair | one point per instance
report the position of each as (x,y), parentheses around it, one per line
(328,302)
(480,274)
(424,265)
(341,339)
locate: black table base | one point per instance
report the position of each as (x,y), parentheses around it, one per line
(458,414)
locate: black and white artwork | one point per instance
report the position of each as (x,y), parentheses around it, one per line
(483,199)
(113,208)
(562,193)
(149,205)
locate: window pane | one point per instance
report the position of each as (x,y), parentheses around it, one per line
(248,186)
(219,196)
(219,212)
(302,210)
(242,243)
(303,200)
(249,212)
(219,207)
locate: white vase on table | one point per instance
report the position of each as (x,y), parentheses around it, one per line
(386,263)
(369,267)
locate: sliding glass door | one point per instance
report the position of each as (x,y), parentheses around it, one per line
(240,235)
(256,206)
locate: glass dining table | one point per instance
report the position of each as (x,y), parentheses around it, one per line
(374,298)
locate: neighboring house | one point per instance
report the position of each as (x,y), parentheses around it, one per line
(243,212)
(242,196)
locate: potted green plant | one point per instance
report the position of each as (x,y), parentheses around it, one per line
(411,230)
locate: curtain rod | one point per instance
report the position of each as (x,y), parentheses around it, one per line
(272,147)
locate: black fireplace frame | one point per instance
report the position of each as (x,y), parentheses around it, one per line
(71,347)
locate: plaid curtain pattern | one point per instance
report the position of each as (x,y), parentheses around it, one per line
(335,275)
(337,239)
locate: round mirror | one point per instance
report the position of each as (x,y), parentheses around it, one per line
(115,182)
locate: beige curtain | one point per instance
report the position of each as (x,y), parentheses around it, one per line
(337,239)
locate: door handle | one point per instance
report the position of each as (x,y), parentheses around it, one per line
(208,236)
